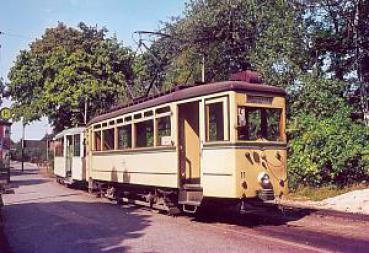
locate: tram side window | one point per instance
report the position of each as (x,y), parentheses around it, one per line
(108,135)
(77,144)
(259,123)
(145,134)
(59,147)
(215,122)
(124,137)
(164,131)
(97,135)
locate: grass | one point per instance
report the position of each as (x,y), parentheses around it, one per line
(320,193)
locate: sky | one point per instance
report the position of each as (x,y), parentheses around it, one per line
(22,21)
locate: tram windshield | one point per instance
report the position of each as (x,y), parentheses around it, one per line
(259,124)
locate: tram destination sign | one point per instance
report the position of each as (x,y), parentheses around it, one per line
(259,100)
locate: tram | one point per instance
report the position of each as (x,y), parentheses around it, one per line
(216,141)
(69,156)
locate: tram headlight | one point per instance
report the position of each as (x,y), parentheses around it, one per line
(264,180)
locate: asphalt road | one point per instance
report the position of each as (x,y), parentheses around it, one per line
(43,216)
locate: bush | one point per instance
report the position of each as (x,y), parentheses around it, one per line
(328,151)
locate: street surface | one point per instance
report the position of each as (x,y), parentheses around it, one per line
(45,217)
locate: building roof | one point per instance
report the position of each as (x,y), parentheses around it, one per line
(181,92)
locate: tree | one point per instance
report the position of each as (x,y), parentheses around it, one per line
(231,36)
(3,92)
(339,35)
(317,96)
(67,68)
(328,150)
(326,147)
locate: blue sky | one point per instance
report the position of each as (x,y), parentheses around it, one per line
(24,20)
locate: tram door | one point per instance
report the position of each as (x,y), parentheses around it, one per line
(189,143)
(69,156)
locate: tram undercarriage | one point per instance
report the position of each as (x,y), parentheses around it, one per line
(189,199)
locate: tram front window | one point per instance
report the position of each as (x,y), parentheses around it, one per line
(259,123)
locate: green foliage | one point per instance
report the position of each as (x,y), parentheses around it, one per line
(67,67)
(326,146)
(3,92)
(338,36)
(330,150)
(280,53)
(338,32)
(231,36)
(317,96)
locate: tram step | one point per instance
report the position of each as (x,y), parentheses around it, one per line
(190,203)
(68,180)
(144,203)
(188,195)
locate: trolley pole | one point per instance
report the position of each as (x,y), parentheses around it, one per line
(85,114)
(203,68)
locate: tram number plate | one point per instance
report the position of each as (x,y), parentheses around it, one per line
(259,100)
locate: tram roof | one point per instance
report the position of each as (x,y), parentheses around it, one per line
(185,92)
(69,131)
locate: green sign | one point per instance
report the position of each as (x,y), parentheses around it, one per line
(5,113)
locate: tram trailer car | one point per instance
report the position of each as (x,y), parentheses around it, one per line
(69,156)
(218,141)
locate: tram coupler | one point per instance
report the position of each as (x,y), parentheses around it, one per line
(243,205)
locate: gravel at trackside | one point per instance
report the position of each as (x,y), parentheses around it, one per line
(351,202)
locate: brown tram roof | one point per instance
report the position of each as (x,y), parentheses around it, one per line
(185,92)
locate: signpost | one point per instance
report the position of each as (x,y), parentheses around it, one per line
(5,113)
(5,116)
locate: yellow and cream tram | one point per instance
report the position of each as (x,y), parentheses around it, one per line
(223,140)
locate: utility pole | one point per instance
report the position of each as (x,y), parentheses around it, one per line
(22,143)
(47,149)
(361,75)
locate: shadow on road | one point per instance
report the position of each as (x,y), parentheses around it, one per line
(24,182)
(267,216)
(4,245)
(68,226)
(274,223)
(27,171)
